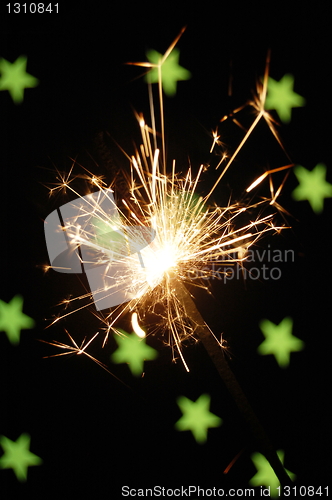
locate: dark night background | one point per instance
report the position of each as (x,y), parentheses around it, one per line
(94,433)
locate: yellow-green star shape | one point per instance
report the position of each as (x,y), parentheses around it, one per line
(197,417)
(265,475)
(312,186)
(279,340)
(282,98)
(13,320)
(133,350)
(15,79)
(171,71)
(17,456)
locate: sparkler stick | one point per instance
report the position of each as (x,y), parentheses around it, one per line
(192,314)
(216,354)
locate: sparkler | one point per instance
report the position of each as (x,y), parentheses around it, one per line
(164,236)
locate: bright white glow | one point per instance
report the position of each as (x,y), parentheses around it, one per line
(137,329)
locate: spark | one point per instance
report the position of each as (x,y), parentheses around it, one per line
(263,176)
(216,140)
(78,350)
(74,348)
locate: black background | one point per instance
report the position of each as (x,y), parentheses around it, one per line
(94,433)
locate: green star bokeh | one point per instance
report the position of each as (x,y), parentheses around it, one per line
(132,350)
(312,186)
(171,71)
(282,98)
(13,320)
(17,456)
(15,79)
(197,417)
(279,340)
(265,475)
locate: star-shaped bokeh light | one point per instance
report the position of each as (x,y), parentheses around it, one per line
(265,475)
(312,186)
(282,98)
(15,79)
(13,320)
(17,456)
(171,71)
(197,417)
(279,340)
(132,350)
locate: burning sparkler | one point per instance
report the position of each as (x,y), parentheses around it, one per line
(146,247)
